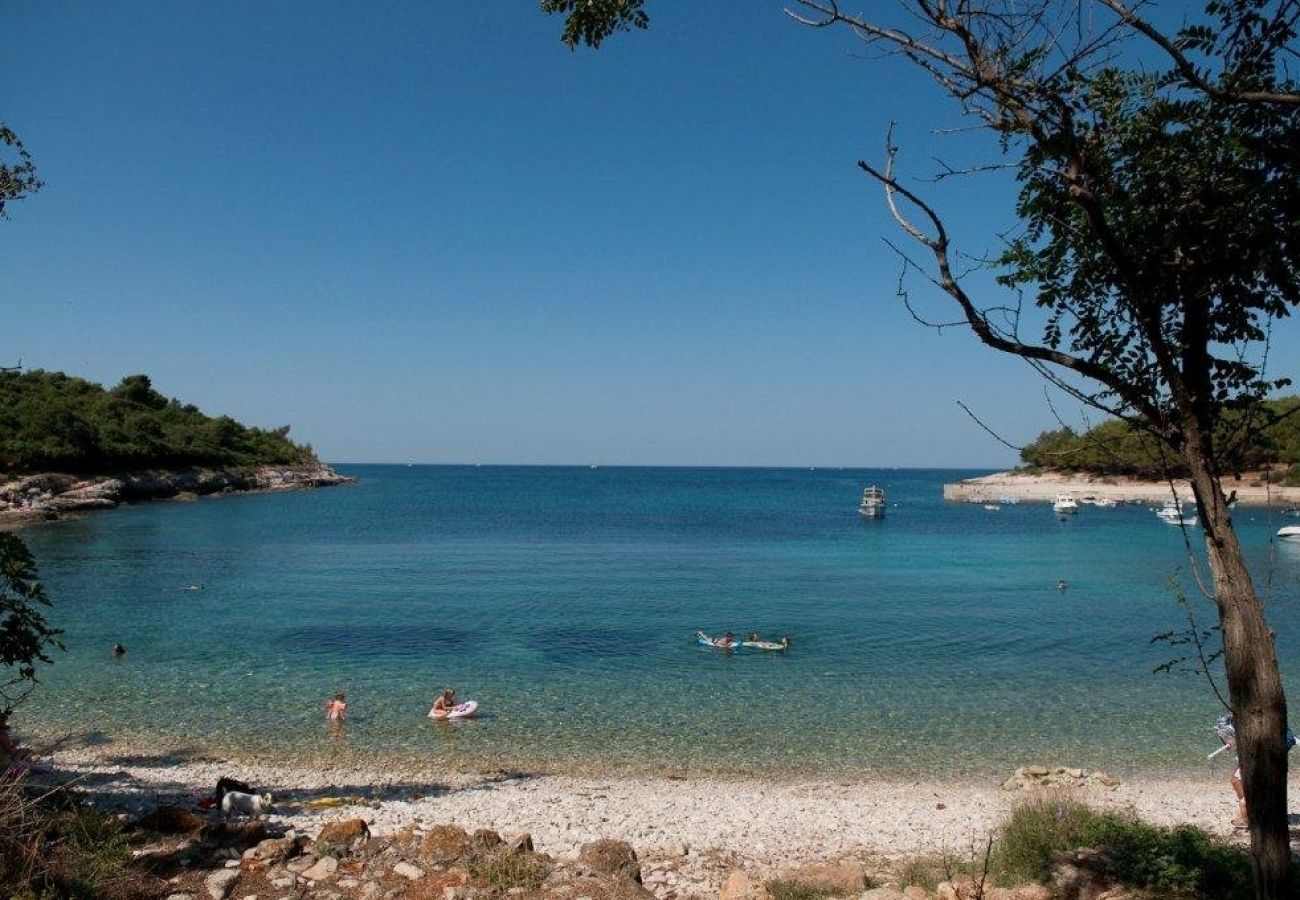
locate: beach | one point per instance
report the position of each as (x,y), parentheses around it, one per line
(690,832)
(1045,487)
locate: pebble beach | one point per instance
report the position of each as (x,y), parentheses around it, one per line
(689,831)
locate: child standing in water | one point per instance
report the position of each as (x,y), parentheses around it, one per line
(336,709)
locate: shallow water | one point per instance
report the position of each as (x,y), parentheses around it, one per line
(565,601)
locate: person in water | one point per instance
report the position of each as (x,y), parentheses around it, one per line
(726,640)
(445,703)
(752,638)
(336,708)
(118,651)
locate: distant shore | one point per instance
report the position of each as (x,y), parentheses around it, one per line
(49,496)
(1044,488)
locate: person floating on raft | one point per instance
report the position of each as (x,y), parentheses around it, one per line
(757,642)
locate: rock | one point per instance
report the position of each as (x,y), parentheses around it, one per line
(485,839)
(370,890)
(274,851)
(325,867)
(283,881)
(1082,874)
(740,886)
(445,843)
(1108,780)
(343,837)
(180,897)
(408,871)
(882,893)
(1036,771)
(521,843)
(611,858)
(235,834)
(170,820)
(849,878)
(915,892)
(301,864)
(220,884)
(1031,892)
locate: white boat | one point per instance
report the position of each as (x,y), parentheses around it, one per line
(1289,533)
(873,503)
(1007,500)
(1172,511)
(1065,505)
(1105,503)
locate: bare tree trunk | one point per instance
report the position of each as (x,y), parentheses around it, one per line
(1254,682)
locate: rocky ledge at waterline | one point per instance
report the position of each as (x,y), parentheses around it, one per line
(47,496)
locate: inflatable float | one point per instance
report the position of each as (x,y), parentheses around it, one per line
(719,643)
(768,645)
(460,711)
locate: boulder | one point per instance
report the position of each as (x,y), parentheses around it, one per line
(235,834)
(343,837)
(444,844)
(915,892)
(170,820)
(740,886)
(1031,892)
(274,851)
(882,893)
(847,878)
(408,871)
(611,858)
(1082,874)
(485,839)
(521,843)
(325,867)
(220,884)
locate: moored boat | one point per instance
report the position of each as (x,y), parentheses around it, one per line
(873,503)
(1289,533)
(1065,505)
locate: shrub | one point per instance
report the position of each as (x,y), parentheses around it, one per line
(505,869)
(1180,862)
(781,889)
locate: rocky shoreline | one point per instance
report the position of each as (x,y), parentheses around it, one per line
(50,496)
(364,832)
(1044,487)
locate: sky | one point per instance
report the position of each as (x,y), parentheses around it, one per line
(429,231)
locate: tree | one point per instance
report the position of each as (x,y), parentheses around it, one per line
(1161,230)
(17,172)
(25,636)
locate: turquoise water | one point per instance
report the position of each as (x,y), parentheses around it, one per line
(565,601)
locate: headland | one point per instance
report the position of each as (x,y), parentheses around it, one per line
(1044,487)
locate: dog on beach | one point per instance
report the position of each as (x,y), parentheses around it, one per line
(226,785)
(238,803)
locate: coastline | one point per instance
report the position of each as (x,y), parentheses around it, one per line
(1044,488)
(51,496)
(689,831)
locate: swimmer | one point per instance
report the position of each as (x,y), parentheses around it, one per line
(444,704)
(336,708)
(118,651)
(1062,585)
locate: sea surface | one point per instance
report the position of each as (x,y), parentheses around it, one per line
(566,601)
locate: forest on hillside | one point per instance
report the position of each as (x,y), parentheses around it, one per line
(50,421)
(1119,448)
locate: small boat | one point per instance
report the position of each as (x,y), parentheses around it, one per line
(873,503)
(1105,503)
(1289,533)
(1065,505)
(1008,500)
(1172,511)
(992,507)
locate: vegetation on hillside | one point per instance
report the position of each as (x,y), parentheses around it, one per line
(1118,448)
(54,422)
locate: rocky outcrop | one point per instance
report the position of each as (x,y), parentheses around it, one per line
(1028,777)
(35,498)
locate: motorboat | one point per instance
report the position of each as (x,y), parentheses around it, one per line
(1289,533)
(1105,503)
(1172,511)
(992,507)
(873,503)
(1065,505)
(1008,500)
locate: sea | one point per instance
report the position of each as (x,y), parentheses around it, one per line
(944,640)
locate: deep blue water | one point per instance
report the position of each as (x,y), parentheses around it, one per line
(565,601)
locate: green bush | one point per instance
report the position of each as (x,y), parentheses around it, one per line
(1181,862)
(781,889)
(505,869)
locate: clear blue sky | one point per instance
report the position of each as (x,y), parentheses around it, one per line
(430,231)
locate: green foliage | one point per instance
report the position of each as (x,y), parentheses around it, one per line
(923,871)
(52,422)
(591,21)
(504,870)
(783,889)
(1271,438)
(17,173)
(25,636)
(1176,862)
